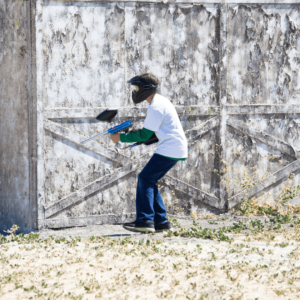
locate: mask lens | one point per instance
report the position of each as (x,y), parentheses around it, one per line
(134,88)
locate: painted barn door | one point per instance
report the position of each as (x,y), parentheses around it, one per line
(86,52)
(232,71)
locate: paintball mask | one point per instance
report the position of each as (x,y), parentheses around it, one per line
(141,89)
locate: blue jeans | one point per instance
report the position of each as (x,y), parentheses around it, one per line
(149,204)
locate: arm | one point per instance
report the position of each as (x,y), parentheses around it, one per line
(133,137)
(151,124)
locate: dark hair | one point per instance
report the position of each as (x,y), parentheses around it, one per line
(148,77)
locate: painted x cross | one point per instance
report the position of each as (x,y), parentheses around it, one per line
(129,165)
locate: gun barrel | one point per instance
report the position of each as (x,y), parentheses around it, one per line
(112,130)
(93,137)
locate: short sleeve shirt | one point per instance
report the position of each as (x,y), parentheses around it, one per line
(162,118)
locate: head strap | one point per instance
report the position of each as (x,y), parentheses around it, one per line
(147,85)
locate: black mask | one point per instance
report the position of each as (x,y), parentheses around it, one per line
(143,89)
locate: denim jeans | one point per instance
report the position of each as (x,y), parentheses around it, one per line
(149,204)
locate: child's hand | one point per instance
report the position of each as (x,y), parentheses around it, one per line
(115,137)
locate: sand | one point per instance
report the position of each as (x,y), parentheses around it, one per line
(152,267)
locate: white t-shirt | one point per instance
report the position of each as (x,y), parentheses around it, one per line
(162,118)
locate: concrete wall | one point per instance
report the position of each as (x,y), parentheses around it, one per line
(17,110)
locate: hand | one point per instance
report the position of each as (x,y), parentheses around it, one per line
(115,137)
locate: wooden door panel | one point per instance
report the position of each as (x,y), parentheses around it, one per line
(116,198)
(283,126)
(69,167)
(250,161)
(83,46)
(262,43)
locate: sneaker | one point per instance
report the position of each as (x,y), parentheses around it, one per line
(140,226)
(163,227)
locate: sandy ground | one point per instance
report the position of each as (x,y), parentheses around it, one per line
(113,264)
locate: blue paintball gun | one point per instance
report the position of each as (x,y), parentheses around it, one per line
(107,116)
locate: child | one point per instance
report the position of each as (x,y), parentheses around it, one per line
(162,119)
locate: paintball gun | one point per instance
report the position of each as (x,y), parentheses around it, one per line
(107,116)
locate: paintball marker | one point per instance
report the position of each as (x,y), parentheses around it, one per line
(107,116)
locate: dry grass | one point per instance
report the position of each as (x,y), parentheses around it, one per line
(205,215)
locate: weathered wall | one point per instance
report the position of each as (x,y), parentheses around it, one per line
(231,70)
(264,45)
(17,177)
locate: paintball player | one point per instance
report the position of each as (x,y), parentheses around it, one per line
(161,119)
